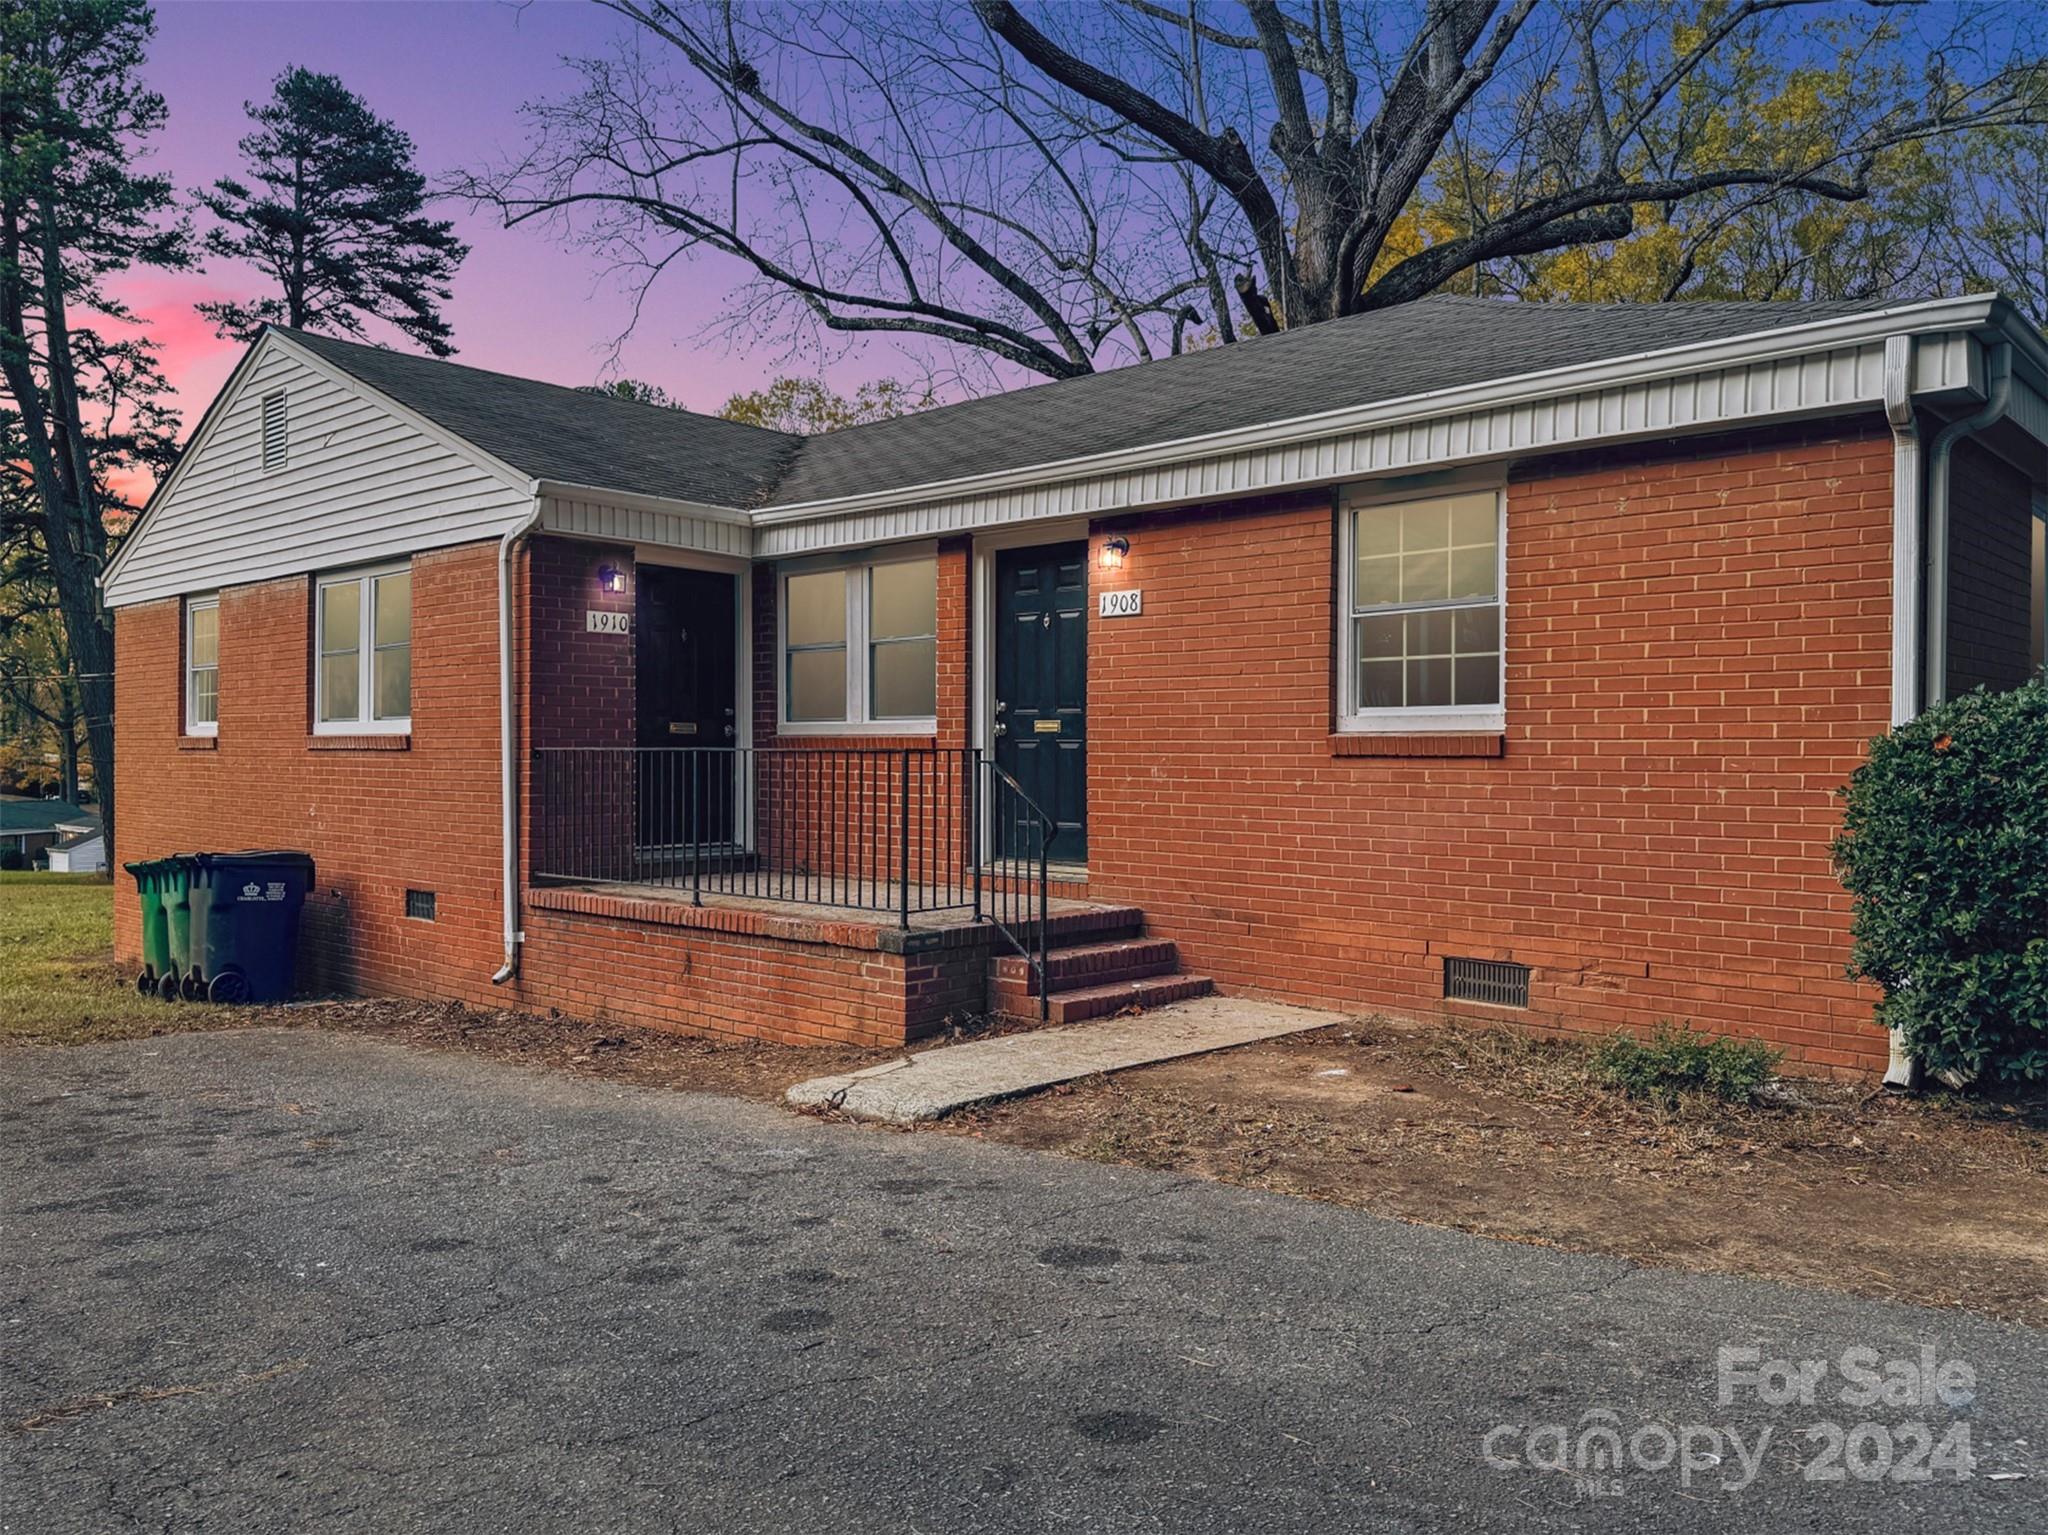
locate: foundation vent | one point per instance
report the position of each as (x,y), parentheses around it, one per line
(1486,980)
(420,904)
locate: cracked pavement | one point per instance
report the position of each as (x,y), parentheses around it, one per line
(293,1281)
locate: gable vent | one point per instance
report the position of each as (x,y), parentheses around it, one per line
(273,430)
(1486,980)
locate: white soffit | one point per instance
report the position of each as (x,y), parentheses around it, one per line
(1416,435)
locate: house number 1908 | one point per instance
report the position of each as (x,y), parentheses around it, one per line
(1125,604)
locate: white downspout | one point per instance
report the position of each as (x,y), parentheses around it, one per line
(1900,1071)
(1907,482)
(508,745)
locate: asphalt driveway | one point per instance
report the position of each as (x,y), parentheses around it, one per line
(296,1281)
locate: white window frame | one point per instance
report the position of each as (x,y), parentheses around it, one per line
(193,726)
(1468,718)
(366,676)
(856,571)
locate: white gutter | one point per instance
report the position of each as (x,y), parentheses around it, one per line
(508,744)
(1971,311)
(1999,396)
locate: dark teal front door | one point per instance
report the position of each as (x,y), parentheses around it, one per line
(1041,720)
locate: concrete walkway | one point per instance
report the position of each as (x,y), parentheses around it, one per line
(939,1082)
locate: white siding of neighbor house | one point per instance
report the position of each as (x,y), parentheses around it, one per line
(86,858)
(361,482)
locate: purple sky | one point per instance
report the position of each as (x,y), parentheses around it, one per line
(453,75)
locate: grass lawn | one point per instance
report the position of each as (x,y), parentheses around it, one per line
(58,982)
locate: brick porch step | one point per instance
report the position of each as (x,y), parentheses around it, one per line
(1101,1001)
(1088,964)
(1096,924)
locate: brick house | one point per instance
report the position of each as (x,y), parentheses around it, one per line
(1475,658)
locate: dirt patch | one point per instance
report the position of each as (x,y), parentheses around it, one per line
(1936,1201)
(613,1052)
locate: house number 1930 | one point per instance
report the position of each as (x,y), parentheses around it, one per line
(1124,604)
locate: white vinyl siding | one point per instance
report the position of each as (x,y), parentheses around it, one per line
(202,666)
(360,483)
(362,641)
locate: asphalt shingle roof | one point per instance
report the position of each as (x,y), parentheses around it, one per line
(1439,343)
(18,814)
(552,432)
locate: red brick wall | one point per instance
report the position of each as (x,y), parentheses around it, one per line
(750,974)
(377,813)
(1697,650)
(1698,647)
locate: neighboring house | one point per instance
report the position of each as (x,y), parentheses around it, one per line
(80,852)
(1470,657)
(30,827)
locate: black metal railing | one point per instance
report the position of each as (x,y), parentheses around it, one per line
(889,830)
(1015,899)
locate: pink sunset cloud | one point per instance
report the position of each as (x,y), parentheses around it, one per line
(452,76)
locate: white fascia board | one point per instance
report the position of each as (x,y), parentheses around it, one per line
(1968,312)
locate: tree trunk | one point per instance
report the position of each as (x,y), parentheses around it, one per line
(90,634)
(67,742)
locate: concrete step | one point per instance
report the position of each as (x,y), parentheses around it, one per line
(1088,964)
(1102,1001)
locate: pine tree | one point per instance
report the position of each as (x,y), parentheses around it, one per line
(333,210)
(75,209)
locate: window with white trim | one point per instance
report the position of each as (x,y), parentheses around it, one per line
(1421,643)
(202,666)
(362,665)
(860,647)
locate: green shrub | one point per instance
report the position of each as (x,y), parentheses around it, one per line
(1945,848)
(1677,1062)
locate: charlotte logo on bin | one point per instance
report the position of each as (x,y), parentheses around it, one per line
(274,891)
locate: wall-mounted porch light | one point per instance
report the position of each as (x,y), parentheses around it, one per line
(1113,551)
(610,578)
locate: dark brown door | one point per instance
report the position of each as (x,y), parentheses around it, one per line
(686,634)
(1041,681)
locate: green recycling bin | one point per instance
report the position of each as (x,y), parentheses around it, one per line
(156,879)
(164,885)
(245,924)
